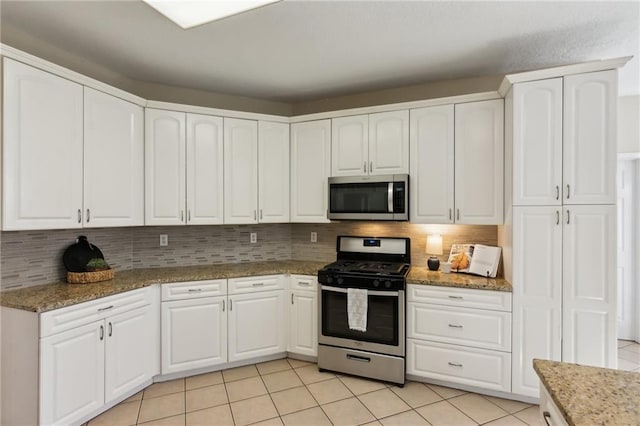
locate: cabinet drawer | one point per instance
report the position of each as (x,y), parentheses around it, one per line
(461,326)
(194,289)
(84,313)
(468,298)
(253,284)
(303,282)
(468,366)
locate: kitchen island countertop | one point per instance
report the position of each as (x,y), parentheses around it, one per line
(47,297)
(591,395)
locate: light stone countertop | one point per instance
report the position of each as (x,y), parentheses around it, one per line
(47,297)
(591,395)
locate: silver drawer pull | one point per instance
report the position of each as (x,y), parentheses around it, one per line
(194,290)
(455,326)
(105,309)
(257,284)
(302,283)
(456,297)
(358,358)
(453,364)
(547,416)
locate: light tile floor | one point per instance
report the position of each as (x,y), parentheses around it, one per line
(291,392)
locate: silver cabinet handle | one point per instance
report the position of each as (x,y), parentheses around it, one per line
(292,298)
(450,213)
(79,215)
(181,215)
(456,297)
(453,364)
(255,215)
(557,192)
(222,305)
(88,215)
(194,290)
(370,166)
(557,217)
(303,283)
(546,416)
(105,309)
(364,167)
(230,305)
(455,326)
(260,214)
(257,284)
(110,329)
(568,218)
(568,191)
(102,332)
(189,215)
(457,214)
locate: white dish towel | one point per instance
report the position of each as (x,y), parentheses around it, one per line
(357,308)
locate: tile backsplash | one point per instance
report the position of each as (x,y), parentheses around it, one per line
(35,257)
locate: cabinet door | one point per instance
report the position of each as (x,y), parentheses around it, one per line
(131,356)
(273,172)
(205,176)
(537,292)
(240,171)
(589,286)
(164,154)
(257,325)
(194,334)
(113,161)
(431,153)
(590,102)
(479,157)
(389,142)
(72,374)
(303,323)
(42,150)
(350,146)
(310,168)
(537,143)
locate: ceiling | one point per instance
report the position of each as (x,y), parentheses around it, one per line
(295,51)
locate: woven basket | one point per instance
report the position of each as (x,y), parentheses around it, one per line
(89,277)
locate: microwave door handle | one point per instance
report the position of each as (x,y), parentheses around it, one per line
(390,197)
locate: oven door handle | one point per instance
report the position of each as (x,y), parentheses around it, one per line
(370,292)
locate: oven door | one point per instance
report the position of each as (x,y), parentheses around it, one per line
(385,321)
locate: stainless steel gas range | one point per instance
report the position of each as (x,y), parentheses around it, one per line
(362,308)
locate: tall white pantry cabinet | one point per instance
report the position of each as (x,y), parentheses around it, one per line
(560,228)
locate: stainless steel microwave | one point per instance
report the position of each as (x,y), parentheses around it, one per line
(383,197)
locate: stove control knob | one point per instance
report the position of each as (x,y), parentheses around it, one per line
(329,280)
(376,283)
(340,281)
(387,284)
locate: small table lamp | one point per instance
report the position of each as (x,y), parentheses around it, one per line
(434,247)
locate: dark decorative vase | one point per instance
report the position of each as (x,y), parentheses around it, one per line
(433,263)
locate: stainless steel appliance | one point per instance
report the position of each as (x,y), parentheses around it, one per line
(383,197)
(380,266)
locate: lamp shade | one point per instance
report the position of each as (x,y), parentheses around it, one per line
(434,245)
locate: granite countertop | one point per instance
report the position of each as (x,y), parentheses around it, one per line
(591,395)
(43,298)
(422,275)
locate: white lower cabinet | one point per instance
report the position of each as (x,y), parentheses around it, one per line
(303,315)
(460,336)
(186,307)
(257,322)
(86,366)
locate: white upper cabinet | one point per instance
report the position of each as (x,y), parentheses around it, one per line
(273,172)
(310,168)
(350,146)
(165,151)
(240,171)
(479,159)
(589,285)
(590,102)
(42,150)
(537,143)
(432,165)
(389,142)
(205,175)
(113,161)
(370,144)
